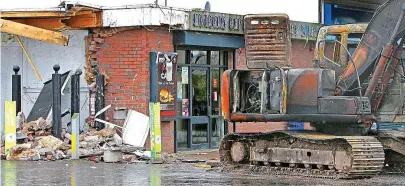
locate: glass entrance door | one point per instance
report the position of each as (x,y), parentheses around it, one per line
(200,107)
(199,123)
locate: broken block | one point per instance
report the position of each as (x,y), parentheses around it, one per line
(112,156)
(60,155)
(98,40)
(35,157)
(45,151)
(50,142)
(91,138)
(117,139)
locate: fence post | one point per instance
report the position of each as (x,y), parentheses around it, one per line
(56,102)
(16,88)
(75,92)
(100,100)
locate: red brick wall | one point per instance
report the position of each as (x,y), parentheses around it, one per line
(240,59)
(302,53)
(124,57)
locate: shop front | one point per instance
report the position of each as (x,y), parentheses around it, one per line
(205,51)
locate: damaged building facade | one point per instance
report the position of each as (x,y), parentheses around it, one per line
(62,42)
(117,42)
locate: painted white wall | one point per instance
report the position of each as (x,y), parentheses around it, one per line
(44,55)
(299,10)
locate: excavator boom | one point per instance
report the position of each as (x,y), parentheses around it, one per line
(380,38)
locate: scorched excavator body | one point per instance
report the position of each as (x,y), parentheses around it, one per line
(342,98)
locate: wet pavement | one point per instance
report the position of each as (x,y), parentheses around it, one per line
(88,173)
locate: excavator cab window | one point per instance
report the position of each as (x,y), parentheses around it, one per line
(353,40)
(332,48)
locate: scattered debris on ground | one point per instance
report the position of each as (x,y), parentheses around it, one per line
(37,143)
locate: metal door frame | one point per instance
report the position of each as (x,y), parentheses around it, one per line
(199,120)
(195,120)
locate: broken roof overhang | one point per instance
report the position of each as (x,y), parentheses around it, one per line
(66,16)
(46,24)
(33,32)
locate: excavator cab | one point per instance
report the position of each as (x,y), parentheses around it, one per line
(330,54)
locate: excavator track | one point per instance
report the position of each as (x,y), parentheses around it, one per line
(303,153)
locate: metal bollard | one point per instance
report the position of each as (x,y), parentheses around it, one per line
(75,104)
(100,100)
(16,88)
(56,102)
(75,136)
(75,92)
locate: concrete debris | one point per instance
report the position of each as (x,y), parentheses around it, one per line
(45,151)
(60,155)
(68,136)
(35,157)
(112,156)
(20,119)
(42,133)
(50,142)
(129,158)
(142,155)
(40,127)
(104,145)
(91,138)
(20,152)
(118,139)
(44,124)
(107,132)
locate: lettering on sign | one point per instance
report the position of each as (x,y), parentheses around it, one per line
(234,24)
(216,22)
(307,31)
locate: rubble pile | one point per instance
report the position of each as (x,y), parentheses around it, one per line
(39,127)
(39,144)
(40,148)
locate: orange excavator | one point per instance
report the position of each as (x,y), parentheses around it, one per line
(355,104)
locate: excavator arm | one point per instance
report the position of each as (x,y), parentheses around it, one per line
(380,39)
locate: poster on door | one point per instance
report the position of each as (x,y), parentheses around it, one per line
(184,75)
(167,85)
(184,107)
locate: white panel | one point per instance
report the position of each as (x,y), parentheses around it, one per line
(136,128)
(144,16)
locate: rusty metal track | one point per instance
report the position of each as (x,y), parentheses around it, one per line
(366,154)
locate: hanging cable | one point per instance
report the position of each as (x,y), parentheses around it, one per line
(351,59)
